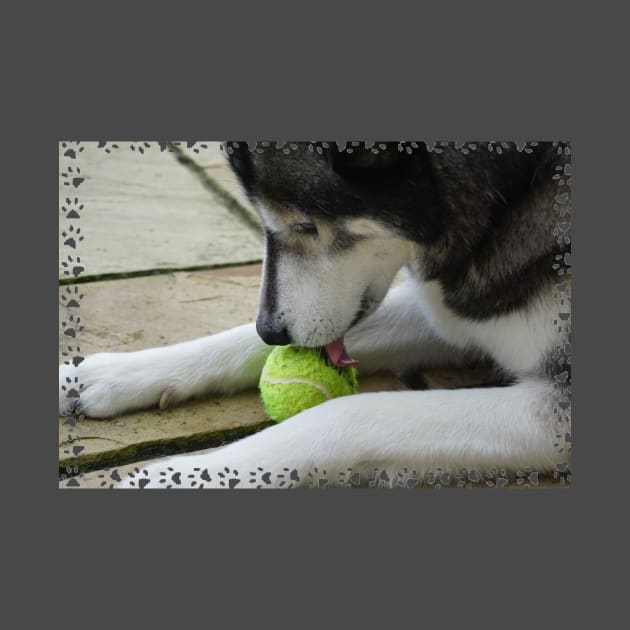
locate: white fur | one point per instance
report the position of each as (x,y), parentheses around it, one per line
(477,429)
(517,341)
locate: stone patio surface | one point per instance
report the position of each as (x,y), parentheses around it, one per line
(146,212)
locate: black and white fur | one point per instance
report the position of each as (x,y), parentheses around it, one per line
(475,234)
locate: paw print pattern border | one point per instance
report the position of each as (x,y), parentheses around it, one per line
(70,212)
(73,178)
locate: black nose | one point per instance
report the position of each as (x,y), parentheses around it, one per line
(272,335)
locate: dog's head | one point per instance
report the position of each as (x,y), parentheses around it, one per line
(334,235)
(340,224)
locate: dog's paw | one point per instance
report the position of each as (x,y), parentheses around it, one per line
(109,384)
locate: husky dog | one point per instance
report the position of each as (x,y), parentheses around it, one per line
(474,230)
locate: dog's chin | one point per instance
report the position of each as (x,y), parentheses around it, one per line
(323,336)
(333,346)
(315,338)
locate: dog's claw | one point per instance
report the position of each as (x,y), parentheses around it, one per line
(166,396)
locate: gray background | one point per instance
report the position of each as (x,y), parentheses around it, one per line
(315,71)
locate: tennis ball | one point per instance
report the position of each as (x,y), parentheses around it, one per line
(295,379)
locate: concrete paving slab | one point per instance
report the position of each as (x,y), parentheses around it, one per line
(196,424)
(138,313)
(145,212)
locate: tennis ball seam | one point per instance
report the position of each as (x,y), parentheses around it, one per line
(297,381)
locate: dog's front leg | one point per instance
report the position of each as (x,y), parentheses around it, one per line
(112,383)
(395,336)
(474,429)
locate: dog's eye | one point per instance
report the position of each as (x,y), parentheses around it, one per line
(305,228)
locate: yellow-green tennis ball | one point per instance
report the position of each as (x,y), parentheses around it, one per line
(295,379)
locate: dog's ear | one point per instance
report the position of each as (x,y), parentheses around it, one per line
(358,160)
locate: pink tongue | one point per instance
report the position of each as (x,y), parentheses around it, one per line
(338,354)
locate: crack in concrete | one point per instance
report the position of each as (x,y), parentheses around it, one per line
(223,196)
(152,272)
(205,299)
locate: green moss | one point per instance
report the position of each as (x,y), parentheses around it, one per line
(222,195)
(156,448)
